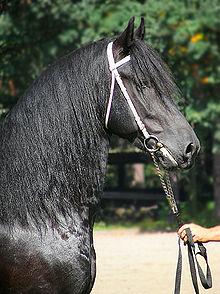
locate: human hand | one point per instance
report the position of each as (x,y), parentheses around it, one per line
(199,233)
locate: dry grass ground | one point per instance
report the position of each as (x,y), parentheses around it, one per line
(130,262)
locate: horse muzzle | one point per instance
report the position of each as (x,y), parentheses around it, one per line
(169,161)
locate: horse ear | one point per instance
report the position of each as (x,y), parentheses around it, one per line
(126,39)
(140,32)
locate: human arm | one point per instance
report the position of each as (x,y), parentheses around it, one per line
(200,234)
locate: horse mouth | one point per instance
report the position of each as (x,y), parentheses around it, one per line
(187,165)
(166,163)
(178,164)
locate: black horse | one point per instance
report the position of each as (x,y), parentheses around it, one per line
(54,149)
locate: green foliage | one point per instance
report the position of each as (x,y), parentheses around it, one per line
(160,219)
(205,215)
(112,178)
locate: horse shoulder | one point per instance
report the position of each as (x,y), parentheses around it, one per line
(51,262)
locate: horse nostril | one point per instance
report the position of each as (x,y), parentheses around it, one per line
(189,150)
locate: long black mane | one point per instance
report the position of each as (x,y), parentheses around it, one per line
(53,143)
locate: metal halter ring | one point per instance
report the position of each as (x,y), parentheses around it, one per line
(158,145)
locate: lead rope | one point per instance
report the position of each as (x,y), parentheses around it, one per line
(166,185)
(192,254)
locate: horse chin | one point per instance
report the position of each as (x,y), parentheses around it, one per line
(187,165)
(167,164)
(170,165)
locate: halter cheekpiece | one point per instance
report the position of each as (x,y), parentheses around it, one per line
(115,76)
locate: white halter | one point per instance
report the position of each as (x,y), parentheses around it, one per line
(115,76)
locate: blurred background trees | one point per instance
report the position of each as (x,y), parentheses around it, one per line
(34,34)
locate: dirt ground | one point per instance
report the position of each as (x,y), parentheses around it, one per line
(141,263)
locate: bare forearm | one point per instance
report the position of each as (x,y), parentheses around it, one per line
(214,233)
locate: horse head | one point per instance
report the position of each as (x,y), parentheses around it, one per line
(151,88)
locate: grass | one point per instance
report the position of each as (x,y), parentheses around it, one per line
(102,226)
(161,220)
